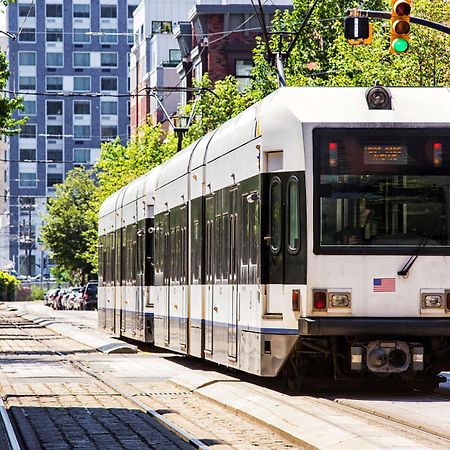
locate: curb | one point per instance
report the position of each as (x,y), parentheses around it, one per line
(93,339)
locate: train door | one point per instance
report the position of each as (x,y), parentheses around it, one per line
(166,277)
(209,274)
(140,280)
(125,279)
(183,279)
(119,280)
(233,277)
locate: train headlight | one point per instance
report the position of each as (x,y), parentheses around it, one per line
(432,301)
(339,300)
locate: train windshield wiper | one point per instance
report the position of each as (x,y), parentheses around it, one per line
(403,272)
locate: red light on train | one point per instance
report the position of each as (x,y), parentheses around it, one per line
(332,154)
(295,300)
(320,300)
(437,154)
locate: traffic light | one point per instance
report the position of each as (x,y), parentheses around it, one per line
(400,28)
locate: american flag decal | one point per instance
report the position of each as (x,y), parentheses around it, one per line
(384,285)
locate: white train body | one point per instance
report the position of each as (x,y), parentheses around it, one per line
(280,235)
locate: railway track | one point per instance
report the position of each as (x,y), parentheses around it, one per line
(87,409)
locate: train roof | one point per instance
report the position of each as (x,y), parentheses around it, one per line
(349,105)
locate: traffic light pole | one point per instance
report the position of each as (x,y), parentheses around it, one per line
(418,20)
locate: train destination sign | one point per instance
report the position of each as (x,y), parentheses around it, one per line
(385,154)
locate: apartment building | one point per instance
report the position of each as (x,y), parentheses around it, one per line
(154,58)
(70,63)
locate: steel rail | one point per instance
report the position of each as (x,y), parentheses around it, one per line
(12,437)
(166,423)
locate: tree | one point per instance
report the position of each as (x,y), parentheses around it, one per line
(120,164)
(8,124)
(217,104)
(70,227)
(322,56)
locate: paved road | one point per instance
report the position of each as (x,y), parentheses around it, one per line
(183,389)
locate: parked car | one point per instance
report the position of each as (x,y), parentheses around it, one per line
(70,300)
(57,300)
(48,297)
(89,297)
(65,298)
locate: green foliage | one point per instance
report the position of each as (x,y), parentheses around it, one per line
(120,164)
(37,293)
(8,125)
(8,285)
(70,224)
(217,104)
(322,56)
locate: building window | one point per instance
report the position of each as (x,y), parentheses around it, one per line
(54,83)
(82,84)
(27,35)
(81,107)
(243,69)
(131,9)
(130,35)
(82,155)
(28,131)
(27,58)
(27,10)
(108,132)
(81,36)
(54,59)
(109,108)
(29,107)
(81,59)
(54,108)
(161,27)
(55,155)
(54,178)
(81,10)
(27,179)
(54,132)
(54,35)
(108,36)
(27,83)
(174,56)
(108,11)
(109,59)
(52,10)
(81,131)
(108,83)
(27,154)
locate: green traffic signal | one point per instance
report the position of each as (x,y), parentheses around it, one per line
(400,45)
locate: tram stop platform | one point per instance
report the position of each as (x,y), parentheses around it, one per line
(82,329)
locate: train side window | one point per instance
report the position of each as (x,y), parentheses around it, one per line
(293,219)
(275,215)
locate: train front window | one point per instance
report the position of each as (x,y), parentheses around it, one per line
(382,188)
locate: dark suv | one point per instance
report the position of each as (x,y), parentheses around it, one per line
(89,296)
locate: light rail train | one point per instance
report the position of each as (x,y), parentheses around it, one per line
(308,236)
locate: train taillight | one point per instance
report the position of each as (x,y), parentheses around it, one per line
(320,300)
(295,300)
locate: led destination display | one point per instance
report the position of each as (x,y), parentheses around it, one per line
(385,154)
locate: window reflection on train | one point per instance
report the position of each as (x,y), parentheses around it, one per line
(363,204)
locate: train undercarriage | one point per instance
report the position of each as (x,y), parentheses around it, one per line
(403,362)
